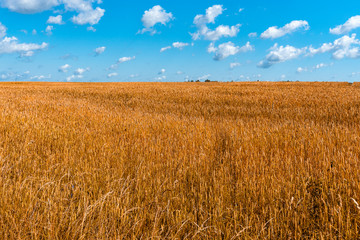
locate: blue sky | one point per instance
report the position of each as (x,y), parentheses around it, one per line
(103,40)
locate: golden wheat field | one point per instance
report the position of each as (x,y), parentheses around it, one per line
(179,161)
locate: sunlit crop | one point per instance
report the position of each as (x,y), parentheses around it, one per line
(179,161)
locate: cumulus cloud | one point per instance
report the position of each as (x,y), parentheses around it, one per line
(228,49)
(91,29)
(153,16)
(280,54)
(10,45)
(341,48)
(178,45)
(3,30)
(219,32)
(91,17)
(125,59)
(99,50)
(204,77)
(165,49)
(160,78)
(87,14)
(27,54)
(55,20)
(320,65)
(275,32)
(49,30)
(201,22)
(301,69)
(110,75)
(14,76)
(29,7)
(73,77)
(78,74)
(119,61)
(40,77)
(81,71)
(162,71)
(314,68)
(134,75)
(209,17)
(234,65)
(351,24)
(252,35)
(64,68)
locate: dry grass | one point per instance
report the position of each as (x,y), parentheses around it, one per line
(180,161)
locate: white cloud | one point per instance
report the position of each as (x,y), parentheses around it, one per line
(320,65)
(49,30)
(228,49)
(354,74)
(204,32)
(340,48)
(110,75)
(275,32)
(134,75)
(234,65)
(29,6)
(81,71)
(179,45)
(153,16)
(55,20)
(64,68)
(301,69)
(126,59)
(14,76)
(119,61)
(314,68)
(252,35)
(34,32)
(3,30)
(113,66)
(73,77)
(351,24)
(10,45)
(91,28)
(221,31)
(209,17)
(241,9)
(160,78)
(165,48)
(78,74)
(280,54)
(162,71)
(4,76)
(99,50)
(179,72)
(257,76)
(40,77)
(87,14)
(91,17)
(27,54)
(205,77)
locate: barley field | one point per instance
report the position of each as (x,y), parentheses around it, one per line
(180,160)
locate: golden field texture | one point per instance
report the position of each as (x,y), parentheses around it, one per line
(179,161)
